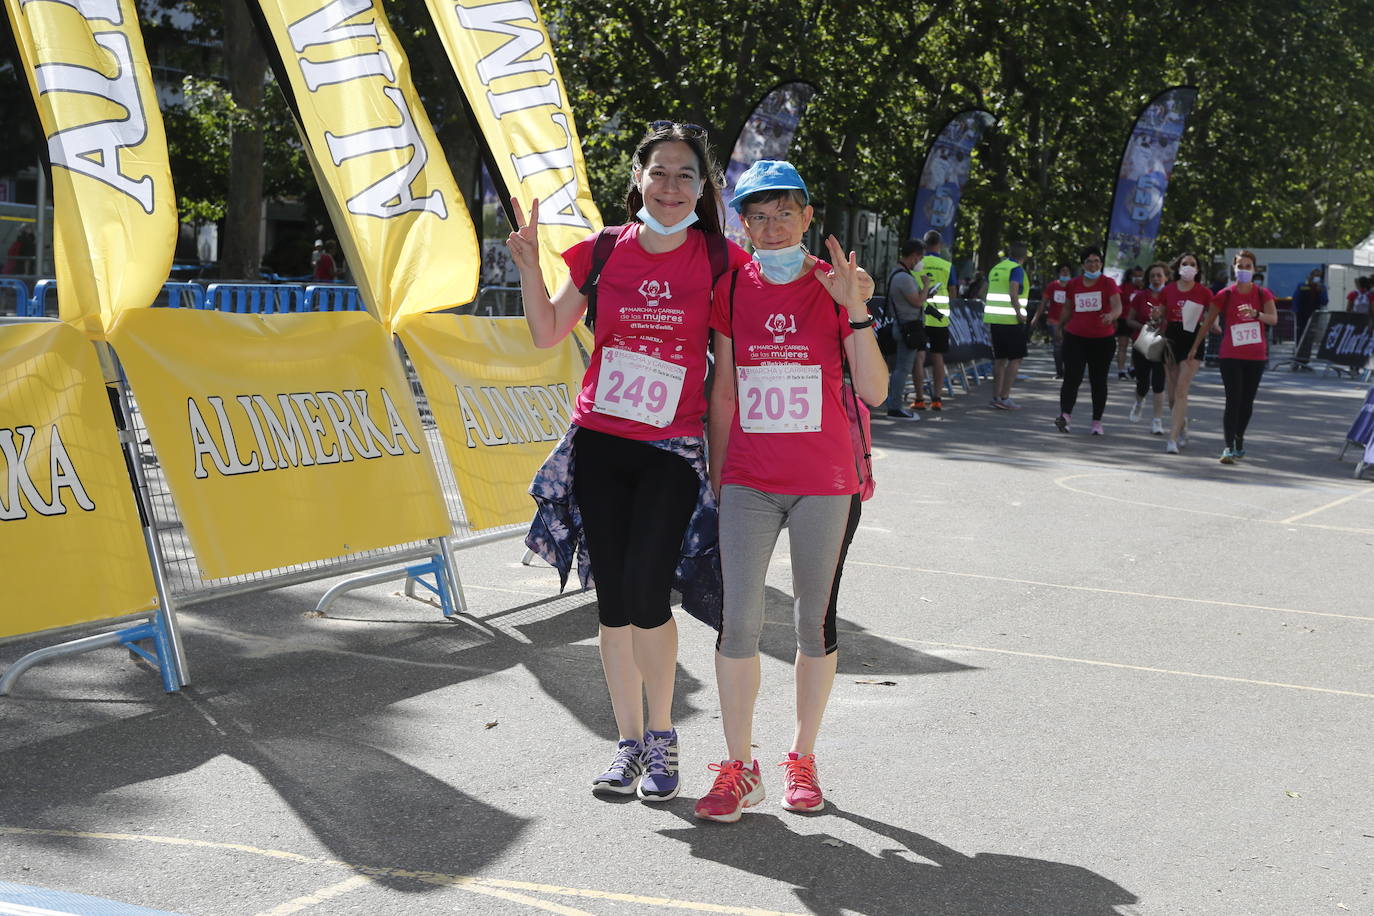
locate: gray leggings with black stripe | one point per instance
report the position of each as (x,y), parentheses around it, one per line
(819,530)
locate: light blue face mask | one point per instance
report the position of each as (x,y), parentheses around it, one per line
(1091,274)
(781,265)
(1156,286)
(1244,276)
(648,219)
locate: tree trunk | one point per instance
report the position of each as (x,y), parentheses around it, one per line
(994,223)
(246,63)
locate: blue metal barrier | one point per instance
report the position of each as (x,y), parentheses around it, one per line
(38,305)
(333,299)
(18,290)
(183,295)
(254,298)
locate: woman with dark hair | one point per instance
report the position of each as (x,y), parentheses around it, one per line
(1185,300)
(629,480)
(1147,309)
(1246,306)
(1089,313)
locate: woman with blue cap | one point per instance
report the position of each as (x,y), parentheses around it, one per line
(788,327)
(626,491)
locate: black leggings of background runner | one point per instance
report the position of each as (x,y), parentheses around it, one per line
(1095,354)
(1241,378)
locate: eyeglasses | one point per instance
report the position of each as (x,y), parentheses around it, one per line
(691,130)
(763,220)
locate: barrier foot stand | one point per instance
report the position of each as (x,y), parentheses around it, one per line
(363,581)
(450,588)
(129,637)
(166,630)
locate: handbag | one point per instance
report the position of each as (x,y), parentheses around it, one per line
(1151,344)
(858,413)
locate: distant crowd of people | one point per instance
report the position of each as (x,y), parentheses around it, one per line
(1092,321)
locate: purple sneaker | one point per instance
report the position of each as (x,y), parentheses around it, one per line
(660,782)
(622,776)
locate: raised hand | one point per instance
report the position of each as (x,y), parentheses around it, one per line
(524,241)
(843,282)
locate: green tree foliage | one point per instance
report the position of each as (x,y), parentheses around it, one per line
(1277,153)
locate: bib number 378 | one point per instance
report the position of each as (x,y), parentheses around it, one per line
(1245,333)
(638,387)
(779,399)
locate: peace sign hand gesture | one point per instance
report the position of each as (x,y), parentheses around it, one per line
(844,283)
(524,241)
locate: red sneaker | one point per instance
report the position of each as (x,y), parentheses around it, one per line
(736,787)
(918,404)
(936,405)
(803,790)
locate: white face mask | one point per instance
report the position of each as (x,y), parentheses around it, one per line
(781,265)
(920,262)
(650,221)
(1187,272)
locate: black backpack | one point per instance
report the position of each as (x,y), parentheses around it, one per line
(717,250)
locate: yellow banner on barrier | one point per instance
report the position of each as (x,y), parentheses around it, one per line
(502,55)
(500,404)
(293,438)
(69,530)
(405,226)
(115,212)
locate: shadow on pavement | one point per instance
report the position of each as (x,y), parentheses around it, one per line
(915,874)
(310,710)
(1298,426)
(860,652)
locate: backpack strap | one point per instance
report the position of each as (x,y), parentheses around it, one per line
(601,252)
(718,252)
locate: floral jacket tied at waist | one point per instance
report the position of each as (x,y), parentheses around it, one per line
(556,532)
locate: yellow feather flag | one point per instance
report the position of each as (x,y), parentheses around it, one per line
(115,212)
(502,55)
(404,224)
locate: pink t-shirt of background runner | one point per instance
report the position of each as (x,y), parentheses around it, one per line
(1175,297)
(1230,300)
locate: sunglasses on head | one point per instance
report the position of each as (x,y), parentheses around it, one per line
(693,130)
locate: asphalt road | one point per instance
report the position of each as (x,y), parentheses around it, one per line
(1077,676)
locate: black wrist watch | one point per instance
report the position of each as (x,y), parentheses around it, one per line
(860,325)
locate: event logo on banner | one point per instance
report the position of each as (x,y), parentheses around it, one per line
(504,60)
(115,212)
(767,134)
(1349,341)
(501,405)
(945,173)
(1146,166)
(294,438)
(69,531)
(404,224)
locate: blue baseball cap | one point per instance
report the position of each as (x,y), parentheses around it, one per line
(767,175)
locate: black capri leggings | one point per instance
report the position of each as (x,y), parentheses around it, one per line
(1241,379)
(1095,354)
(636,500)
(1148,376)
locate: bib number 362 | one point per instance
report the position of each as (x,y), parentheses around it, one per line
(634,386)
(779,399)
(1245,333)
